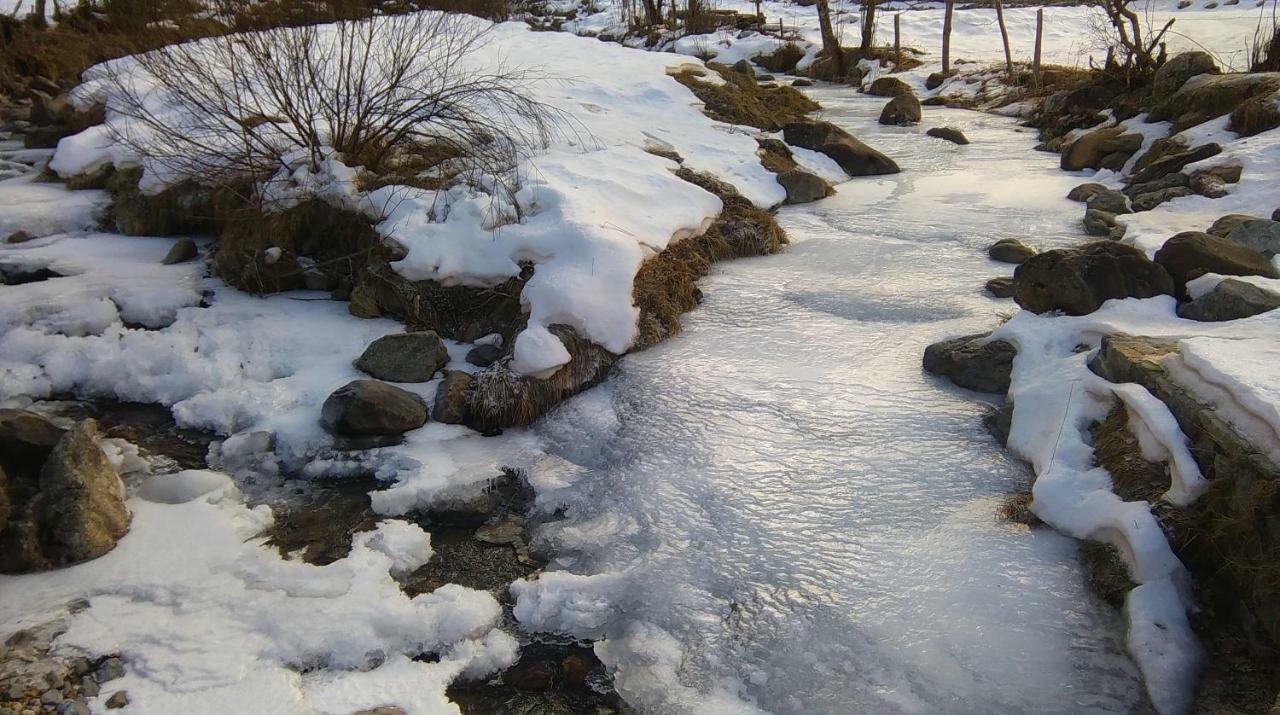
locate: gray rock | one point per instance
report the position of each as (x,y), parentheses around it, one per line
(1148,201)
(902,110)
(74,707)
(1078,281)
(369,408)
(802,82)
(118,699)
(1001,287)
(1010,250)
(484,355)
(1084,192)
(1180,68)
(1225,225)
(1262,235)
(1165,182)
(404,357)
(1098,223)
(183,250)
(1111,201)
(452,395)
(111,669)
(972,362)
(856,158)
(1230,300)
(951,134)
(1174,162)
(1192,254)
(804,187)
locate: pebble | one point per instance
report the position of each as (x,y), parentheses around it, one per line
(117,700)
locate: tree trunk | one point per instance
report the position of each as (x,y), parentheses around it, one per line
(1004,37)
(830,44)
(868,26)
(946,37)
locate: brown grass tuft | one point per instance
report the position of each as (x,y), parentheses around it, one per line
(741,100)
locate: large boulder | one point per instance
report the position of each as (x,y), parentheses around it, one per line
(1208,96)
(1086,191)
(1262,235)
(72,511)
(404,357)
(951,134)
(1256,115)
(1230,300)
(1078,281)
(1226,224)
(1192,254)
(372,409)
(1168,181)
(1111,201)
(902,110)
(973,361)
(1010,250)
(856,158)
(1152,199)
(1180,68)
(1174,162)
(803,186)
(889,87)
(1107,148)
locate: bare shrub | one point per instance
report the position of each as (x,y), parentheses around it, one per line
(1264,51)
(242,108)
(1134,49)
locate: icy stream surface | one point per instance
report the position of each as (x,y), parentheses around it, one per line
(779,508)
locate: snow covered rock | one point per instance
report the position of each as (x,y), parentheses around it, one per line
(369,408)
(1230,300)
(1010,250)
(1192,254)
(404,357)
(902,110)
(1078,281)
(72,511)
(974,361)
(856,158)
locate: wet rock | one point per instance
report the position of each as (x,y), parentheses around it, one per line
(1192,254)
(1111,201)
(999,421)
(531,675)
(1148,201)
(575,669)
(1225,225)
(19,236)
(951,134)
(1010,250)
(1262,235)
(1175,163)
(1107,148)
(404,357)
(452,395)
(972,362)
(1077,281)
(369,408)
(1001,287)
(1178,69)
(1084,192)
(856,158)
(902,110)
(1256,115)
(118,699)
(183,250)
(484,355)
(1230,300)
(889,87)
(1098,223)
(804,187)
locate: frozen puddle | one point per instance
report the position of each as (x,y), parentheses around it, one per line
(779,509)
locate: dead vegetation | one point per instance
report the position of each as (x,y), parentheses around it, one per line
(743,100)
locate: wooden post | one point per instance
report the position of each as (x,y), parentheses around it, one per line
(868,28)
(946,38)
(897,40)
(1004,37)
(1035,59)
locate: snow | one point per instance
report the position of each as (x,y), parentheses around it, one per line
(26,208)
(1247,370)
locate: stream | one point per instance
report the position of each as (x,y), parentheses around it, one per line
(780,508)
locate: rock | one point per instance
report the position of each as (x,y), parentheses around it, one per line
(369,408)
(1077,281)
(484,355)
(1111,201)
(1117,232)
(972,362)
(1262,235)
(381,710)
(1084,192)
(19,236)
(1107,148)
(91,179)
(531,675)
(744,67)
(1168,181)
(1230,300)
(934,80)
(856,158)
(1150,200)
(951,134)
(1180,68)
(183,250)
(1275,215)
(117,700)
(452,395)
(78,512)
(1192,254)
(1010,250)
(1206,97)
(1175,162)
(1212,182)
(1098,223)
(889,87)
(1001,287)
(902,110)
(802,82)
(803,187)
(404,357)
(74,707)
(1225,225)
(1256,116)
(766,78)
(575,669)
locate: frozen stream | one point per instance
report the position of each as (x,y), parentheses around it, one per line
(785,496)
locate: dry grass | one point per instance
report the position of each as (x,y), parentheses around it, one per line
(1108,576)
(741,100)
(1016,509)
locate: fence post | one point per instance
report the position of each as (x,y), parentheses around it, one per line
(1035,61)
(946,38)
(897,40)
(1004,37)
